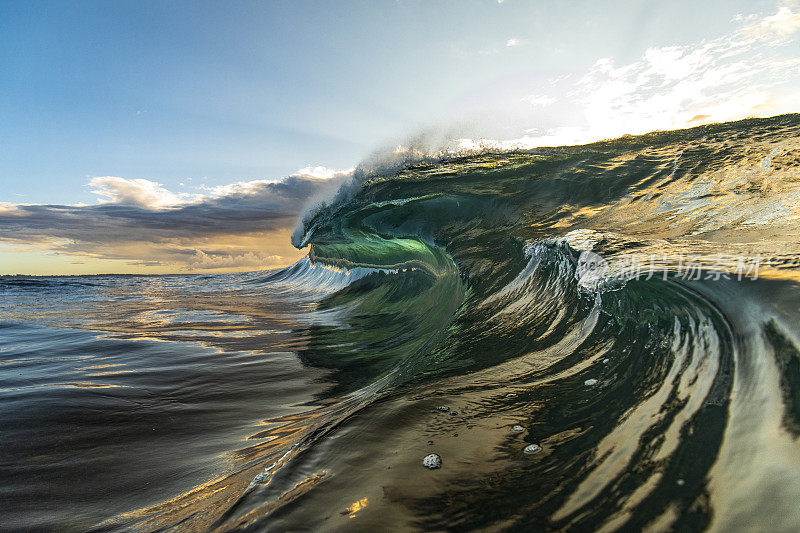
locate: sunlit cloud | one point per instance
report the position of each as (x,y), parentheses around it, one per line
(784,22)
(137,192)
(670,87)
(243,225)
(245,188)
(8,209)
(752,71)
(323,172)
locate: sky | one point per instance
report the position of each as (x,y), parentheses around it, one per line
(189,136)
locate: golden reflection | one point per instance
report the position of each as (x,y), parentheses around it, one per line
(355,507)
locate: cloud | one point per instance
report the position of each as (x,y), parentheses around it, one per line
(784,22)
(223,260)
(266,190)
(8,209)
(752,71)
(668,87)
(515,42)
(240,225)
(138,192)
(323,172)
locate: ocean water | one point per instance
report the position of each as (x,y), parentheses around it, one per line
(629,307)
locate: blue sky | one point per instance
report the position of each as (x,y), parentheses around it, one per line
(195,96)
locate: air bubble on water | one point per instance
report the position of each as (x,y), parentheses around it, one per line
(590,382)
(532,448)
(517,428)
(443,408)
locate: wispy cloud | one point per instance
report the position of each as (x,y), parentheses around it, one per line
(668,87)
(752,71)
(513,41)
(241,225)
